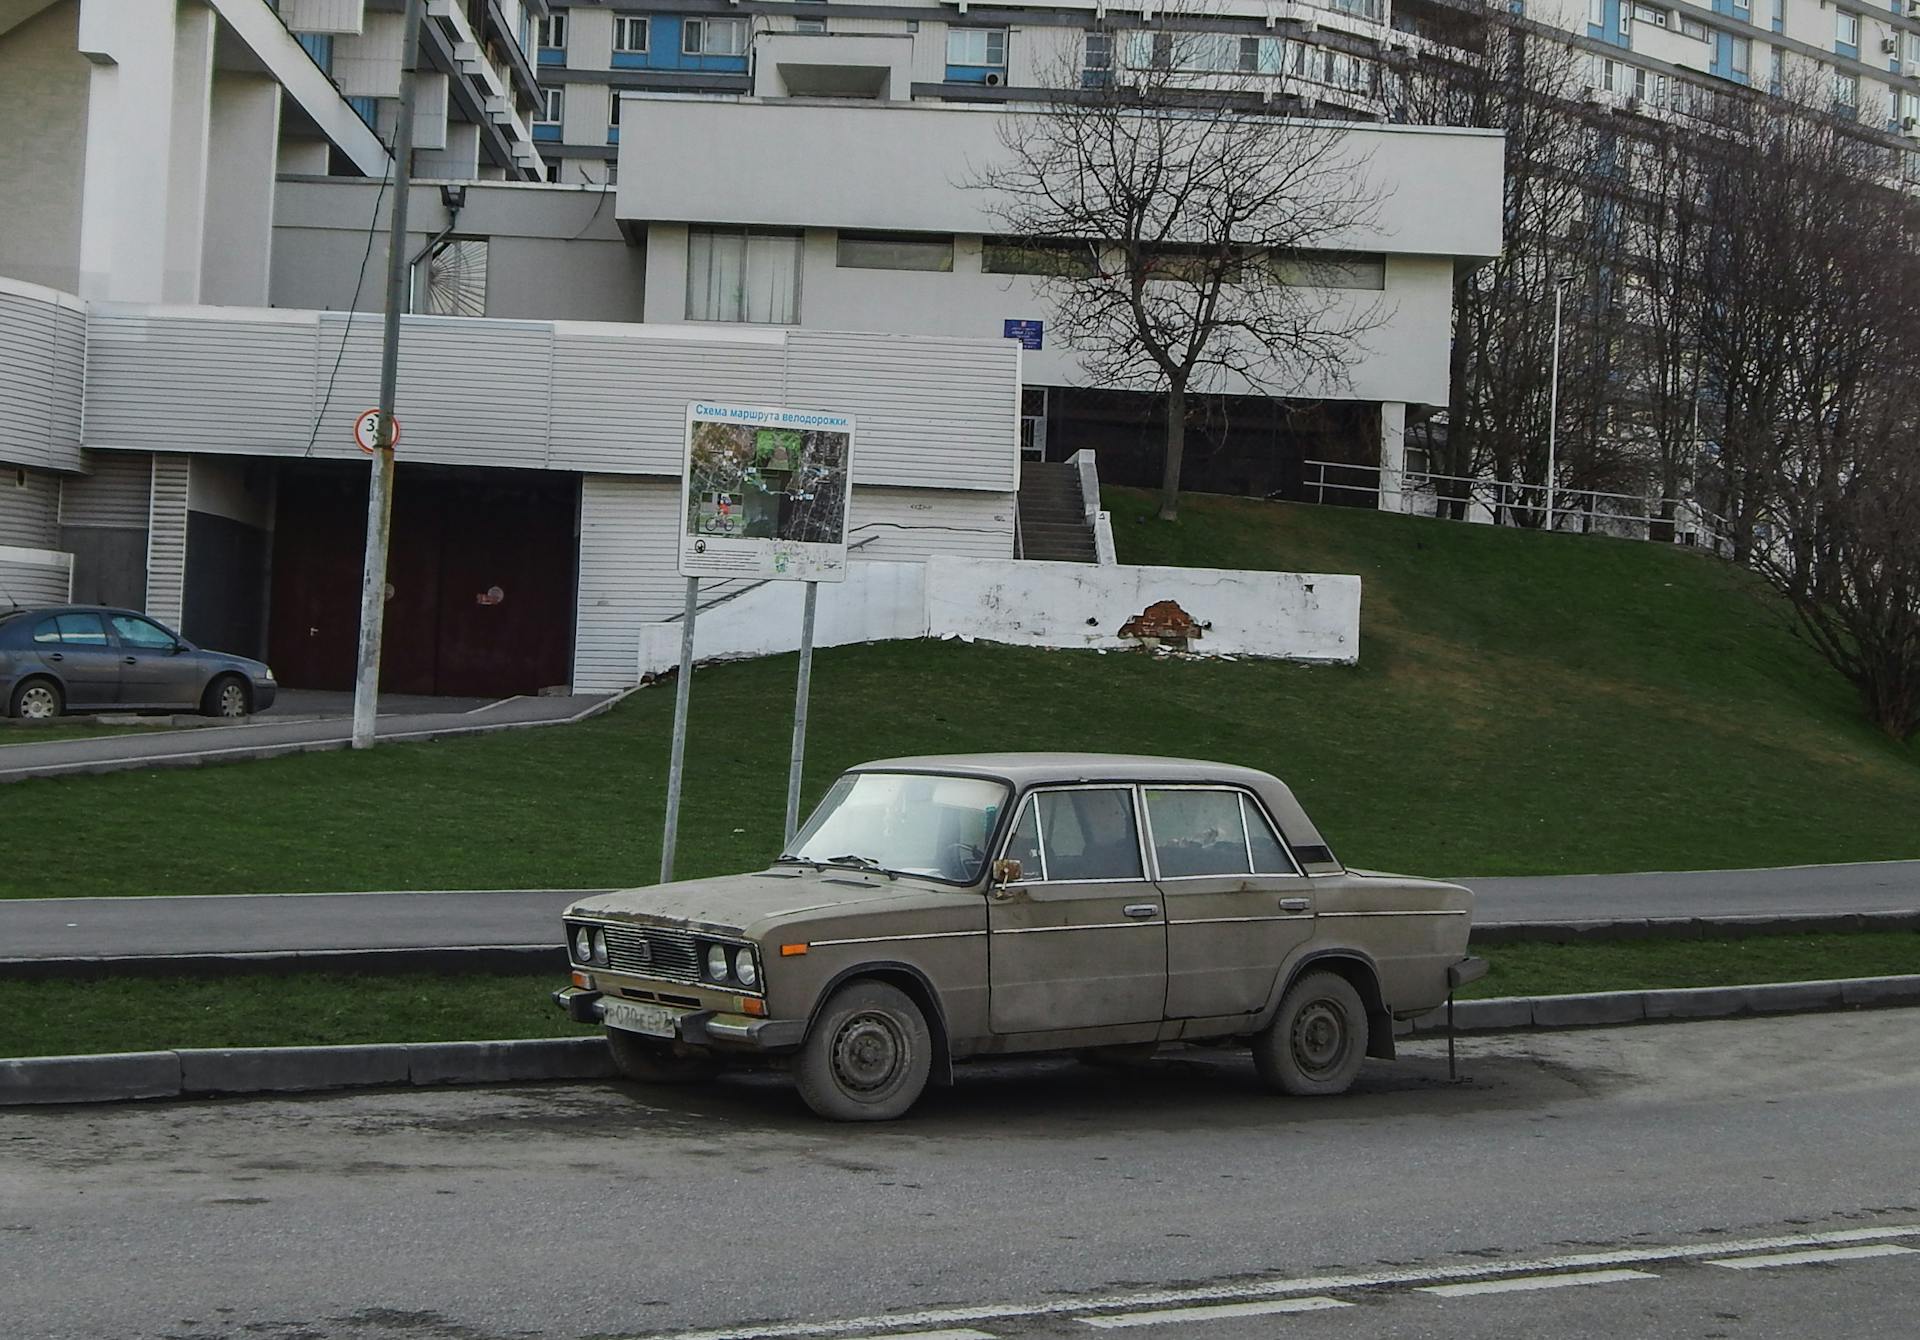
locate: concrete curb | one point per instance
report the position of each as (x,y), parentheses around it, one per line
(1603,1009)
(250,1070)
(552,958)
(247,1070)
(502,959)
(1691,928)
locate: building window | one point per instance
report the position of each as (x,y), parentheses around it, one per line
(893,251)
(713,37)
(1779,15)
(553,102)
(613,116)
(1846,90)
(737,274)
(1779,63)
(1063,260)
(809,25)
(977,46)
(1846,28)
(1648,14)
(553,31)
(1744,7)
(1330,269)
(1097,54)
(1741,56)
(1913,50)
(552,171)
(1693,28)
(1597,13)
(629,35)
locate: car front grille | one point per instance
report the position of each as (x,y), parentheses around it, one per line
(650,951)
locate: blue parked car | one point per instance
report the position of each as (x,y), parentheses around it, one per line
(91,658)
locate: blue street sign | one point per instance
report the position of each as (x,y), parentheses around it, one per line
(1029,333)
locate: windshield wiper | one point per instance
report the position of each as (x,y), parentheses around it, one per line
(861,863)
(788,858)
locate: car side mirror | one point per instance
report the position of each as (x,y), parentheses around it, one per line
(1006,871)
(176,648)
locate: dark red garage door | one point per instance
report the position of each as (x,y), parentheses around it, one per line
(481,573)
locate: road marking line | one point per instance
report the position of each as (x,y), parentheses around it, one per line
(1811,1257)
(1272,1288)
(1214,1312)
(1526,1282)
(930,1335)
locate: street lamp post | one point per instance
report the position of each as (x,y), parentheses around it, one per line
(1560,283)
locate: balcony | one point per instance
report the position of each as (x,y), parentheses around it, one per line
(823,65)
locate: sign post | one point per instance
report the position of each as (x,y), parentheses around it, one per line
(764,496)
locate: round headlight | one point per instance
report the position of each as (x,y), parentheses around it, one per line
(743,968)
(582,946)
(717,962)
(600,947)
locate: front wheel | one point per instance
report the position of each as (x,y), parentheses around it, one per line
(226,697)
(868,1056)
(1317,1042)
(651,1061)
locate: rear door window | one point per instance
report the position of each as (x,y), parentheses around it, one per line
(1197,833)
(80,630)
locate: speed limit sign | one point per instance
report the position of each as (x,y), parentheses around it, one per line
(366,431)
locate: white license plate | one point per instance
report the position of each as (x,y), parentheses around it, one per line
(656,1020)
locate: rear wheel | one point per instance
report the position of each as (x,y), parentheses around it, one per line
(37,700)
(868,1056)
(653,1061)
(1317,1042)
(227,696)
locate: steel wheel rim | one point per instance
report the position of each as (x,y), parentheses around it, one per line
(869,1053)
(233,701)
(37,703)
(1319,1037)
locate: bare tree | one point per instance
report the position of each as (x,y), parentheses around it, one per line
(1196,226)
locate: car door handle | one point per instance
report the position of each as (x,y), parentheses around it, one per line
(1141,910)
(129,660)
(1296,904)
(56,656)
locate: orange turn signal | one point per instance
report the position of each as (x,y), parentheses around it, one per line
(748,1005)
(582,980)
(788,951)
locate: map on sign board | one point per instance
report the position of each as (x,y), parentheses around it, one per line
(764,493)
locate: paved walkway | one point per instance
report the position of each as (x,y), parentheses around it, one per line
(116,927)
(318,725)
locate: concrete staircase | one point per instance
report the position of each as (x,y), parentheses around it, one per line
(1053,518)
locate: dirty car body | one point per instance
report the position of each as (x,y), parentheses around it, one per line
(939,908)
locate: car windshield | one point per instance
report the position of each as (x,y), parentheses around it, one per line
(904,823)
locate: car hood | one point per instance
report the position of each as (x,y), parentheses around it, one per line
(736,903)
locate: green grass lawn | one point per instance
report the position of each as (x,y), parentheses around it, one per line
(1523,704)
(260,1010)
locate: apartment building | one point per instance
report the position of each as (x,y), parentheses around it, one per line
(1642,55)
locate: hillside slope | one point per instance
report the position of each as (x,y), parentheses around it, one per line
(1523,704)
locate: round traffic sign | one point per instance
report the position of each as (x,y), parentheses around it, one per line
(366,431)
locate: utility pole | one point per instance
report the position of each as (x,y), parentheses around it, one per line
(1560,283)
(373,583)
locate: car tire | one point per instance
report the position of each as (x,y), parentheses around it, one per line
(37,699)
(868,1055)
(227,696)
(1317,1042)
(652,1061)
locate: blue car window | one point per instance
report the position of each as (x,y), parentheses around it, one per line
(134,631)
(80,630)
(46,631)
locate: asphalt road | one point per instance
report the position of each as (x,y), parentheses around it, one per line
(1741,1180)
(55,928)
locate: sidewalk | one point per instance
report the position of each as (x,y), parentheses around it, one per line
(58,928)
(269,735)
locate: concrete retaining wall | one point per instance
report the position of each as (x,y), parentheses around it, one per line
(1286,615)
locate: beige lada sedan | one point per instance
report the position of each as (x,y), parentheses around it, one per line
(936,909)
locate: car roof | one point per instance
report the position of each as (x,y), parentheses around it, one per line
(1027,769)
(43,610)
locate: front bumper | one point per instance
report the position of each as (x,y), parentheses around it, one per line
(264,692)
(697,1028)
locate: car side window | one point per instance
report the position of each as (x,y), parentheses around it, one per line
(134,631)
(1024,844)
(1089,833)
(1269,857)
(1197,833)
(80,630)
(46,631)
